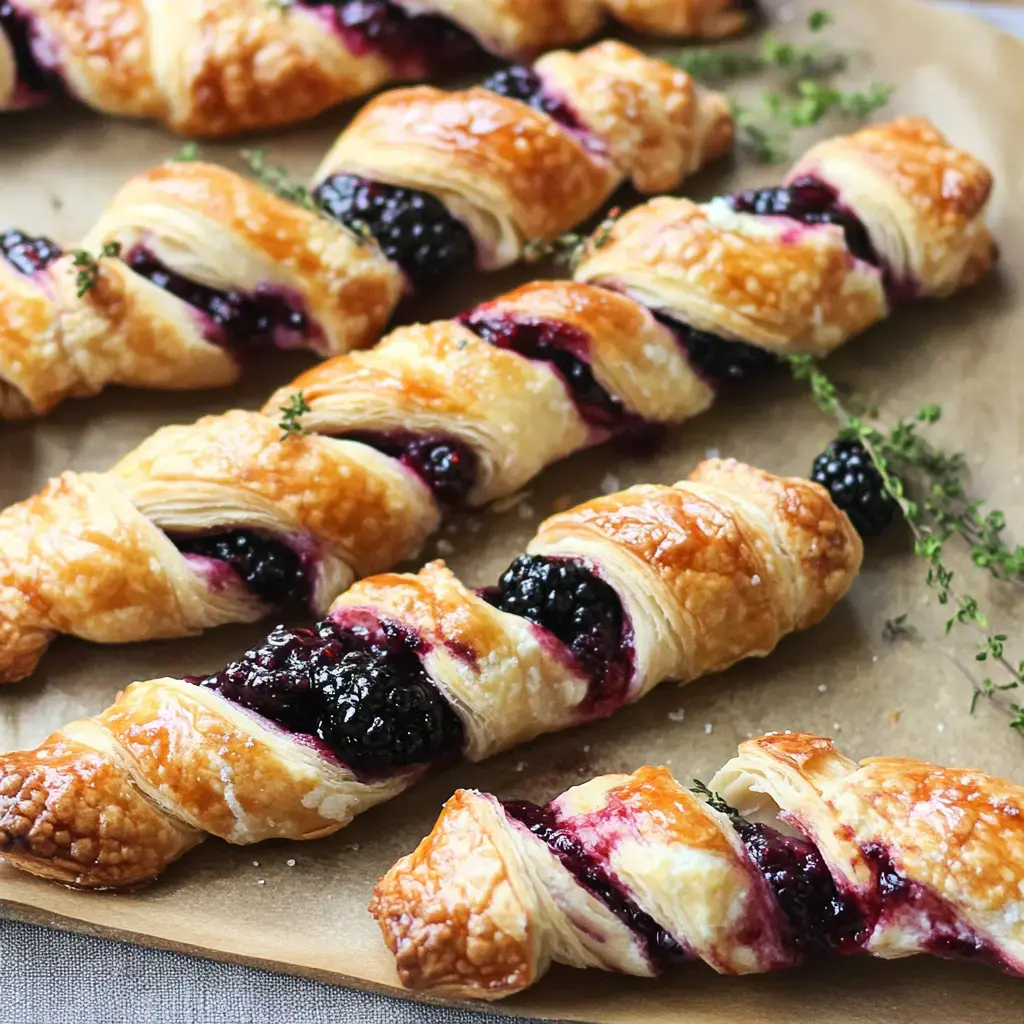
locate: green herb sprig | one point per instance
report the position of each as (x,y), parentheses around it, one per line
(89,266)
(291,416)
(569,250)
(717,802)
(188,153)
(939,511)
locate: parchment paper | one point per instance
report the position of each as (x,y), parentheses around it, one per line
(874,696)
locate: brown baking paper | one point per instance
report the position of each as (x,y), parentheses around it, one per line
(301,908)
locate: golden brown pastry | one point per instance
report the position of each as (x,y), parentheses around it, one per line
(216,67)
(211,266)
(803,853)
(227,520)
(863,220)
(410,671)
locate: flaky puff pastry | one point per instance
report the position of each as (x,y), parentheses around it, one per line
(713,569)
(509,173)
(776,282)
(215,230)
(216,67)
(888,858)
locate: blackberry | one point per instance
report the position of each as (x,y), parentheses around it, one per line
(29,73)
(566,598)
(524,84)
(250,320)
(415,229)
(381,711)
(366,697)
(846,471)
(26,254)
(809,201)
(270,569)
(718,361)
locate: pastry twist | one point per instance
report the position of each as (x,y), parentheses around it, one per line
(457,412)
(316,726)
(634,873)
(216,67)
(212,265)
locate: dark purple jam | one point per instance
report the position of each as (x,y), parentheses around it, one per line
(809,201)
(567,349)
(582,611)
(446,465)
(524,84)
(718,361)
(271,570)
(821,920)
(414,229)
(239,321)
(26,254)
(361,692)
(418,45)
(34,79)
(662,950)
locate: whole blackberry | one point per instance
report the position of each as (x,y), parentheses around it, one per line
(846,471)
(270,569)
(566,598)
(524,84)
(415,229)
(380,711)
(718,361)
(26,254)
(809,201)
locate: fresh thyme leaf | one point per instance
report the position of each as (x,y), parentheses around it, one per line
(570,249)
(291,415)
(187,154)
(717,803)
(897,627)
(817,20)
(939,511)
(89,272)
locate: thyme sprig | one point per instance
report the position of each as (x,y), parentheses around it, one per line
(717,802)
(89,266)
(188,153)
(572,248)
(275,178)
(939,511)
(291,416)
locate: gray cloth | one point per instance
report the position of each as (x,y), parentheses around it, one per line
(54,978)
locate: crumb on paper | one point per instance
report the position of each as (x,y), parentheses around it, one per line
(707,728)
(520,766)
(610,484)
(354,847)
(678,715)
(894,715)
(255,863)
(290,862)
(874,657)
(822,688)
(526,511)
(561,503)
(836,727)
(940,727)
(445,547)
(586,748)
(261,881)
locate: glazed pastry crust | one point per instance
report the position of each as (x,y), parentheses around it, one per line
(172,748)
(209,68)
(465,917)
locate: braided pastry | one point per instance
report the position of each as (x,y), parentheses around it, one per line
(212,265)
(215,67)
(225,520)
(312,728)
(634,873)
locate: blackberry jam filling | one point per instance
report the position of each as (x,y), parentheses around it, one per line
(33,78)
(821,919)
(809,201)
(662,949)
(414,229)
(524,84)
(417,44)
(719,362)
(446,465)
(362,694)
(276,574)
(238,320)
(26,254)
(565,347)
(579,608)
